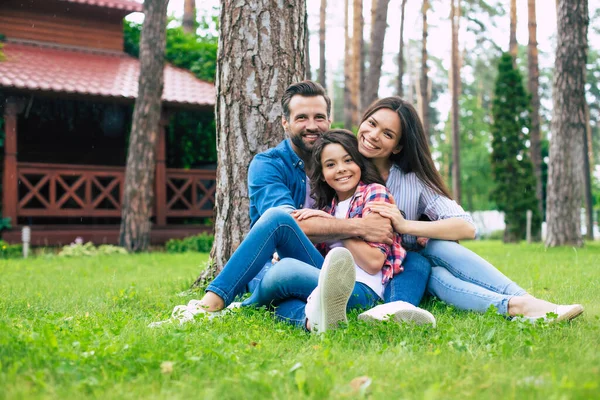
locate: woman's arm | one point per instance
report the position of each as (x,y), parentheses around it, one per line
(370,259)
(447,229)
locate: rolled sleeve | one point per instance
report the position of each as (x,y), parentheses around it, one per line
(438,207)
(266,185)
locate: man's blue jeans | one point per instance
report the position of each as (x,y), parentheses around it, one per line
(465,280)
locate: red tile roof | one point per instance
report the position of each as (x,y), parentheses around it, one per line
(128,5)
(113,75)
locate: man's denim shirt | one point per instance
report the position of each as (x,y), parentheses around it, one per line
(276,178)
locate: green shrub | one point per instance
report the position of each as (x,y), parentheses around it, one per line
(495,235)
(10,250)
(201,243)
(78,249)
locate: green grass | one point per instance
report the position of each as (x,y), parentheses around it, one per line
(76,328)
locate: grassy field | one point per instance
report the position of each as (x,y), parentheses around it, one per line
(77,328)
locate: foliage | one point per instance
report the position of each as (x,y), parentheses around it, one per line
(78,249)
(77,328)
(10,250)
(201,243)
(514,190)
(191,139)
(4,222)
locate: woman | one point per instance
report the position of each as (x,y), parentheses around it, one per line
(392,136)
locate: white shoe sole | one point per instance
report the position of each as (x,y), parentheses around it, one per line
(336,282)
(417,316)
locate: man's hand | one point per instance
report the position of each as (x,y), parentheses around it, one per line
(376,228)
(307,213)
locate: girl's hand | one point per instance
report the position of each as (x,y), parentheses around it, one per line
(390,211)
(307,213)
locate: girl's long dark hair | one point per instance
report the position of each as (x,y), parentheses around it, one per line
(415,155)
(321,191)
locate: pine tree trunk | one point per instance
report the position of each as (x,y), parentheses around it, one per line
(455,78)
(189,16)
(400,86)
(261,52)
(565,180)
(322,33)
(308,72)
(513,45)
(138,194)
(379,24)
(533,87)
(424,84)
(347,68)
(357,58)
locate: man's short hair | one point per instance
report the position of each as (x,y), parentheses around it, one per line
(306,89)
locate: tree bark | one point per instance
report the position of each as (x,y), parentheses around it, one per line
(565,180)
(138,194)
(455,79)
(357,59)
(189,16)
(424,84)
(513,45)
(400,86)
(261,52)
(308,72)
(533,87)
(379,24)
(322,34)
(347,68)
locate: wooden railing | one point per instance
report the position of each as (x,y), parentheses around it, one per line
(64,190)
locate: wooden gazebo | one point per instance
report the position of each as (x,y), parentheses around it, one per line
(71,51)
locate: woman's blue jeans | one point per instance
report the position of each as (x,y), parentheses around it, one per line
(465,280)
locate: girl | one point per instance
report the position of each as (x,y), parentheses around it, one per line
(392,136)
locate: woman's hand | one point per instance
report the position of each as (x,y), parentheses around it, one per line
(307,213)
(390,211)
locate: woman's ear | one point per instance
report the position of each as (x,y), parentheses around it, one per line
(397,150)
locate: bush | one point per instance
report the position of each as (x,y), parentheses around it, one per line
(10,250)
(78,249)
(201,243)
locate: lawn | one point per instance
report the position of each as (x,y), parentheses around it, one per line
(77,328)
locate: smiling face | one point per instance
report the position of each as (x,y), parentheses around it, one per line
(307,122)
(379,135)
(340,171)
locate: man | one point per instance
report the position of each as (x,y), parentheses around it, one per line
(278,178)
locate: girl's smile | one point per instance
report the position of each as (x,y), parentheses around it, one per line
(340,171)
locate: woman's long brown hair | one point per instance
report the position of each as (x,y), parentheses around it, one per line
(415,155)
(320,190)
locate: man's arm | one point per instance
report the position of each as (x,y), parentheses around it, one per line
(372,228)
(266,185)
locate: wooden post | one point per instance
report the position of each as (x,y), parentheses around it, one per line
(529,217)
(160,184)
(10,196)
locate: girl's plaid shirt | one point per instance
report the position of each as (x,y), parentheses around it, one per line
(359,206)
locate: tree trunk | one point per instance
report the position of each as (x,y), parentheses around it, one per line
(565,180)
(455,79)
(533,86)
(189,16)
(138,194)
(308,72)
(424,84)
(357,51)
(400,87)
(261,52)
(322,32)
(347,68)
(379,24)
(513,45)
(587,179)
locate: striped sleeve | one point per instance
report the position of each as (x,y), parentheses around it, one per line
(437,207)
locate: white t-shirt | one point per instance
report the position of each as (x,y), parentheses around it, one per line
(372,281)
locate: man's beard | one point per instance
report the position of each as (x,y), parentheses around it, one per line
(301,145)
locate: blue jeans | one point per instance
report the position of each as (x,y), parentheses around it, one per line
(288,283)
(465,280)
(409,285)
(276,230)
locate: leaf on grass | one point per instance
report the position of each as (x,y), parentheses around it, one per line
(166,367)
(360,384)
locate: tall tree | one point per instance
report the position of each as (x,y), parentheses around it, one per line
(249,87)
(322,32)
(189,16)
(399,86)
(424,82)
(455,85)
(307,70)
(513,45)
(138,193)
(378,26)
(514,190)
(565,180)
(533,86)
(357,59)
(347,68)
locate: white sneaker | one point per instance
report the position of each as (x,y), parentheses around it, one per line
(563,312)
(400,311)
(326,306)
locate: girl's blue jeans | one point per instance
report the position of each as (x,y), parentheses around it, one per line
(465,280)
